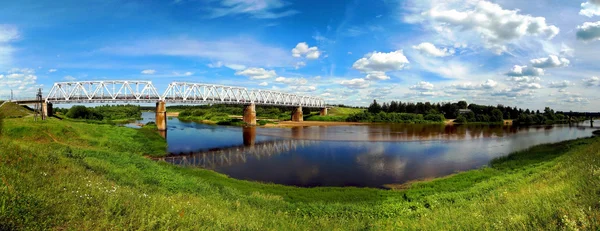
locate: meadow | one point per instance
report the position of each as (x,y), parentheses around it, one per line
(75,175)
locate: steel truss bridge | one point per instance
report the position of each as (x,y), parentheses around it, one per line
(240,154)
(136,91)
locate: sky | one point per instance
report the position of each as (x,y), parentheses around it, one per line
(529,54)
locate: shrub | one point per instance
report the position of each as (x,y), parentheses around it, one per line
(460,120)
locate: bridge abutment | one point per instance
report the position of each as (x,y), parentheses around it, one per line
(161,115)
(323,111)
(47,110)
(297,115)
(250,114)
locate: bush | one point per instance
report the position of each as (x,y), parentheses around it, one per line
(460,120)
(435,117)
(82,112)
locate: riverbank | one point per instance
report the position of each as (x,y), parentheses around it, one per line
(71,175)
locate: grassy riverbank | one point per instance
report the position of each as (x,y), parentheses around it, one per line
(68,175)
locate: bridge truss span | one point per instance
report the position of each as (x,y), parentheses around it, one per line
(193,93)
(103,92)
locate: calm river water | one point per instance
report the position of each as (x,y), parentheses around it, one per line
(363,156)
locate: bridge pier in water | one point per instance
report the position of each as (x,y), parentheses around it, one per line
(323,111)
(250,114)
(161,115)
(297,114)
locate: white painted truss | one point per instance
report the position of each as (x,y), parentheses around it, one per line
(103,92)
(193,93)
(177,92)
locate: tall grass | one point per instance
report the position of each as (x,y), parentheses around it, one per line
(65,175)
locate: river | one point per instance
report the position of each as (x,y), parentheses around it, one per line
(362,156)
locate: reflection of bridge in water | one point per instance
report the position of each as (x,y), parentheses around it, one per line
(237,154)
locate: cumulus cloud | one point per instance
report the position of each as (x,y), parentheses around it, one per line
(489,84)
(262,9)
(422,86)
(375,64)
(525,79)
(257,73)
(376,75)
(431,50)
(355,83)
(149,72)
(593,81)
(302,50)
(299,65)
(549,62)
(559,84)
(589,31)
(495,25)
(52,70)
(263,84)
(291,81)
(19,80)
(590,8)
(525,71)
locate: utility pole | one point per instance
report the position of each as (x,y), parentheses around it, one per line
(39,107)
(11,95)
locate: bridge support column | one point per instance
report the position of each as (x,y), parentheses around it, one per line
(297,115)
(249,135)
(323,111)
(161,115)
(250,114)
(47,110)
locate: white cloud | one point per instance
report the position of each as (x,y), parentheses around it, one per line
(299,65)
(257,73)
(263,84)
(549,62)
(263,9)
(149,72)
(422,86)
(589,31)
(489,84)
(236,67)
(590,8)
(302,50)
(593,81)
(525,71)
(52,70)
(431,50)
(22,81)
(376,75)
(524,79)
(69,78)
(378,61)
(215,65)
(489,21)
(291,81)
(188,73)
(560,84)
(8,34)
(355,83)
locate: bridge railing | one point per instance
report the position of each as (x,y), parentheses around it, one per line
(103,91)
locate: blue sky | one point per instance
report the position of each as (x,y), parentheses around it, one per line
(521,53)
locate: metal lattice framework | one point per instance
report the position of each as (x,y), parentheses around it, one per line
(230,156)
(182,92)
(177,92)
(103,92)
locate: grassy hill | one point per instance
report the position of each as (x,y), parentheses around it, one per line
(67,175)
(334,114)
(12,110)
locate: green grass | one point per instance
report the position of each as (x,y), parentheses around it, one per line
(343,111)
(67,175)
(12,110)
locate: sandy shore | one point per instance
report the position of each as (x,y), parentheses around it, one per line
(173,114)
(312,123)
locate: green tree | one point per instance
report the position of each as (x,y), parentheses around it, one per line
(460,120)
(497,116)
(462,104)
(374,107)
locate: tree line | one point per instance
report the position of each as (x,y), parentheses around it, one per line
(469,113)
(104,112)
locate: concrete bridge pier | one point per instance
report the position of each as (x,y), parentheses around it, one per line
(47,110)
(323,111)
(161,115)
(250,114)
(297,114)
